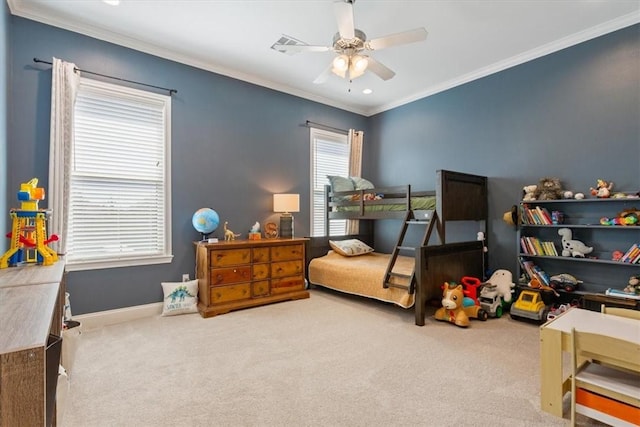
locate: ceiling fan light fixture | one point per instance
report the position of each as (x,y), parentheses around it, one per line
(341,63)
(359,62)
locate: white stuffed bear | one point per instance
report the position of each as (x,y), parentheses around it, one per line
(503,281)
(529,192)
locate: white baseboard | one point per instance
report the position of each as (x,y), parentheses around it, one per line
(111,317)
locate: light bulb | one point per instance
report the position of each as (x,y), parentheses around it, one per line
(360,63)
(341,62)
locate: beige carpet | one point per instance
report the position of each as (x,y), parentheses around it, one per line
(331,360)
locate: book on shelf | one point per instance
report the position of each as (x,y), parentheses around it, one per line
(622,294)
(535,216)
(631,253)
(533,271)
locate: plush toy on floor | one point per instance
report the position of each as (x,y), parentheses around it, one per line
(503,281)
(453,308)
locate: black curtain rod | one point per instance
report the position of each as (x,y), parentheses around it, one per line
(325,127)
(171,91)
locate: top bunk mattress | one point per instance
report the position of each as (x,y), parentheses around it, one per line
(417,203)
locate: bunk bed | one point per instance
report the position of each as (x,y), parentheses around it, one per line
(457,197)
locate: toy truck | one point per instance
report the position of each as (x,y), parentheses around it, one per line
(529,305)
(564,281)
(491,301)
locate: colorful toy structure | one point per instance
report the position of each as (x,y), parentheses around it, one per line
(28,234)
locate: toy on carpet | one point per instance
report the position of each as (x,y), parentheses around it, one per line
(228,234)
(28,233)
(571,247)
(602,190)
(529,192)
(634,285)
(503,281)
(455,309)
(549,189)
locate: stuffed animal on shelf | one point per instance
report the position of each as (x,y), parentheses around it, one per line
(570,247)
(602,190)
(453,308)
(634,285)
(503,281)
(549,189)
(529,192)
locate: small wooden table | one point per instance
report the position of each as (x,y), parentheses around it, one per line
(555,338)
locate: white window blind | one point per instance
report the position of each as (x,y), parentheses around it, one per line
(119,211)
(330,156)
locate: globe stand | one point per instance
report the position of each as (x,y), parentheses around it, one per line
(205,236)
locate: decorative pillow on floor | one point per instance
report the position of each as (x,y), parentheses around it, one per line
(350,247)
(180,297)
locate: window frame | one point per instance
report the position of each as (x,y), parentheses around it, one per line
(118,260)
(338,227)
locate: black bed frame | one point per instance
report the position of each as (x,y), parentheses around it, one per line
(459,197)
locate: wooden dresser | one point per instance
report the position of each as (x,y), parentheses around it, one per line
(31,306)
(247,273)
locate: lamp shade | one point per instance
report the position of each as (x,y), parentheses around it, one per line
(286,203)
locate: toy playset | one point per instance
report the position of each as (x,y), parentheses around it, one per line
(29,238)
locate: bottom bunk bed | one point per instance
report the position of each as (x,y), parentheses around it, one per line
(363,274)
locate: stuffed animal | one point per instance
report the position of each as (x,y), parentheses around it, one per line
(634,285)
(570,247)
(602,190)
(549,189)
(529,192)
(503,281)
(453,308)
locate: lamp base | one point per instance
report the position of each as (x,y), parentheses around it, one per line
(286,226)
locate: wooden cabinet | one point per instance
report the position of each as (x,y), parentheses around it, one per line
(31,305)
(248,273)
(597,269)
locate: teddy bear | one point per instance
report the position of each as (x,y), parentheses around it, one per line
(529,192)
(634,285)
(549,189)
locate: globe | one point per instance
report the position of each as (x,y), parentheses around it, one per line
(205,221)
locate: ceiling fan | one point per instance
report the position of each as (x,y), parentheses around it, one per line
(351,46)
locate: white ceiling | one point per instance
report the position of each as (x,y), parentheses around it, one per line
(467,39)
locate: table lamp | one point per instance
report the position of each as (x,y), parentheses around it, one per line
(286,203)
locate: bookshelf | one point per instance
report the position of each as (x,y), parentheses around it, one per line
(614,257)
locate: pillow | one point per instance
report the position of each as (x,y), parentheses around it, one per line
(361,183)
(350,247)
(340,183)
(180,297)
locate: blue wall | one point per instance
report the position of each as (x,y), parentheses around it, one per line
(574,114)
(4,111)
(234,144)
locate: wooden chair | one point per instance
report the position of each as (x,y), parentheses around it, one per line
(605,379)
(624,312)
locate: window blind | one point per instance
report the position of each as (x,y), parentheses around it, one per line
(119,184)
(330,152)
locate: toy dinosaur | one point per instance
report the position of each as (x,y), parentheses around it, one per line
(228,234)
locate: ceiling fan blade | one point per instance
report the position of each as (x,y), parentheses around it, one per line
(343,10)
(323,76)
(411,36)
(380,70)
(293,48)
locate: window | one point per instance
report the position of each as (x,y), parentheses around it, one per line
(329,156)
(119,196)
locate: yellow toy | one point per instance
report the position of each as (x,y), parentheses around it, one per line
(29,230)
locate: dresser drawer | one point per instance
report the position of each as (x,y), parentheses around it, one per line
(260,289)
(221,294)
(260,271)
(225,276)
(226,257)
(287,252)
(260,254)
(287,284)
(286,268)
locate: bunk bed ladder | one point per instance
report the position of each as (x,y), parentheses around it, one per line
(410,219)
